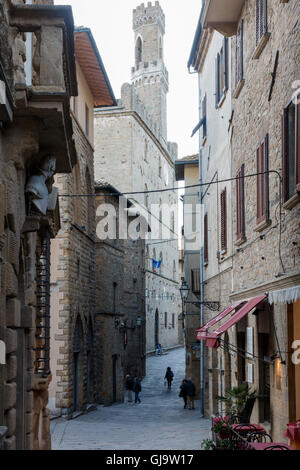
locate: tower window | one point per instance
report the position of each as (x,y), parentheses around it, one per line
(138,51)
(160,48)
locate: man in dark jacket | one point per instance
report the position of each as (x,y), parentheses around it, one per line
(190,390)
(137,389)
(129,387)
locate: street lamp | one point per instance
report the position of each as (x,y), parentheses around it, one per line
(184,292)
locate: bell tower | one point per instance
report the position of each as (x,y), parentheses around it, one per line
(149,75)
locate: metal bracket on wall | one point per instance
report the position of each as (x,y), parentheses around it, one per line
(211,305)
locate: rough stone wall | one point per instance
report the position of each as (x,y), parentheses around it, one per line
(254,117)
(73,278)
(120,284)
(258,259)
(128,156)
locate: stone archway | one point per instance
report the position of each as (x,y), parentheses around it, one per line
(90,371)
(78,366)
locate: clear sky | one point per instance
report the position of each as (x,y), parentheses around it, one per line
(111,25)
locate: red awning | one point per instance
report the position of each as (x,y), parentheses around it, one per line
(212,339)
(202,332)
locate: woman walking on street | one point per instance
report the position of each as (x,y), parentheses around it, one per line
(182,392)
(169,377)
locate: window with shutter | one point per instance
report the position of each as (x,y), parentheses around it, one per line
(240,203)
(291,150)
(205,248)
(222,72)
(262,193)
(239,55)
(195,276)
(204,110)
(224,220)
(261,19)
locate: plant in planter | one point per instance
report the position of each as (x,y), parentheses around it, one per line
(207,444)
(223,444)
(222,426)
(236,398)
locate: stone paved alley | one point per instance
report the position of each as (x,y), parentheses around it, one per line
(159,423)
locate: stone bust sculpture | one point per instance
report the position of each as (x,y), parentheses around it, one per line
(37,187)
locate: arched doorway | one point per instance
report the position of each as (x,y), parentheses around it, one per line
(78,365)
(90,365)
(156,329)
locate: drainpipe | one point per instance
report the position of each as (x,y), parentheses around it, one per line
(201,260)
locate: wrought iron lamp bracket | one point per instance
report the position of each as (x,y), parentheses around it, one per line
(211,305)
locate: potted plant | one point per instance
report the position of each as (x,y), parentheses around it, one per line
(222,426)
(236,398)
(207,444)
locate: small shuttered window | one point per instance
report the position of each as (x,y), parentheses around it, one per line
(262,193)
(291,149)
(166,320)
(195,276)
(239,54)
(205,248)
(240,203)
(204,109)
(224,220)
(222,72)
(261,19)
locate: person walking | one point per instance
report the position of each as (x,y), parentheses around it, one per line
(137,388)
(169,377)
(129,382)
(190,392)
(182,392)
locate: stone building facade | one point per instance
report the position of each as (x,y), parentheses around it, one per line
(120,312)
(133,154)
(73,273)
(187,170)
(265,206)
(37,78)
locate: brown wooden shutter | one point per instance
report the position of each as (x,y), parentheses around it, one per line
(297,145)
(284,140)
(238,206)
(205,254)
(224,220)
(240,203)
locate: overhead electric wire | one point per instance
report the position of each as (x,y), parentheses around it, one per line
(198,185)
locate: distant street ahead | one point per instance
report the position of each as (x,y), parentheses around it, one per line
(159,423)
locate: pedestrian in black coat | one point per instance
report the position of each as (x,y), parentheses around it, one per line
(182,392)
(137,388)
(190,392)
(169,377)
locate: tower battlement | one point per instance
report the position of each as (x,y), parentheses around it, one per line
(150,14)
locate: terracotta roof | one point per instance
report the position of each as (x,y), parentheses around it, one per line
(190,158)
(92,66)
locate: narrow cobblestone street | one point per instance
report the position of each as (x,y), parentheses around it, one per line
(159,423)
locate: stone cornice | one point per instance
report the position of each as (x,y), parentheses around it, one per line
(135,115)
(286,282)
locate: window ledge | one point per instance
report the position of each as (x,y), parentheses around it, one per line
(261,45)
(262,225)
(221,100)
(238,88)
(240,241)
(206,264)
(292,202)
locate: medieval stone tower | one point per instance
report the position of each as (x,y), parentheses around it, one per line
(149,75)
(132,153)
